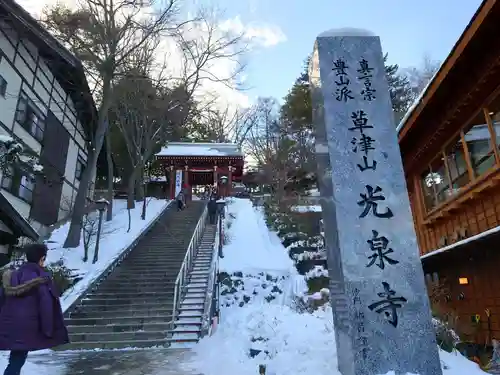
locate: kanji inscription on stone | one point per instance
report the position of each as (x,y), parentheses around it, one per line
(381,309)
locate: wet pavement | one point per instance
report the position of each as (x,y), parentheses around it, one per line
(126,362)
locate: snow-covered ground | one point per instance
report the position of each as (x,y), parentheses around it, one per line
(257,311)
(114,240)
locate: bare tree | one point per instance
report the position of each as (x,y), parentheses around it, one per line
(151,103)
(104,34)
(420,76)
(227,124)
(90,227)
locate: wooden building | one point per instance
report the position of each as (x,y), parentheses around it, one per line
(201,164)
(450,148)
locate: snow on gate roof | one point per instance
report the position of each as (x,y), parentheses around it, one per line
(200,149)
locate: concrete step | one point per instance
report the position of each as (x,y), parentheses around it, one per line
(117,288)
(118,336)
(193,301)
(194,309)
(143,296)
(107,321)
(199,272)
(119,315)
(187,329)
(151,271)
(110,328)
(89,345)
(127,284)
(184,337)
(91,307)
(135,278)
(193,295)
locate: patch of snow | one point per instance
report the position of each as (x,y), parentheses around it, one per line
(6,138)
(102,200)
(251,246)
(346,31)
(303,209)
(158,179)
(462,242)
(317,271)
(114,240)
(38,167)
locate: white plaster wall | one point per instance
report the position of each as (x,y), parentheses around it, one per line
(41,97)
(67,200)
(9,103)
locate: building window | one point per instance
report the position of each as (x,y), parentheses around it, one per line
(459,174)
(30,117)
(451,173)
(3,87)
(80,166)
(19,184)
(435,184)
(479,146)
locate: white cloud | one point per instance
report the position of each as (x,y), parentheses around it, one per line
(257,35)
(261,35)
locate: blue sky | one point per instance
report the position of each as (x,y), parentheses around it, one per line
(408,30)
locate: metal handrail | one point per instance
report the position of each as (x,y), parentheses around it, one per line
(211,296)
(187,263)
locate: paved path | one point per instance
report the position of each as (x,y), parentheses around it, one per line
(127,362)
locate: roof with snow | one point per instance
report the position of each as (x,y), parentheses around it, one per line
(471,30)
(15,221)
(185,149)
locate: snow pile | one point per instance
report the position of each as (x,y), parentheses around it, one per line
(253,331)
(317,271)
(295,343)
(114,240)
(251,247)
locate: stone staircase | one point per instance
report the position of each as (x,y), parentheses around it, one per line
(132,307)
(188,322)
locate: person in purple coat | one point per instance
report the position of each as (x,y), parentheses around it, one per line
(31,317)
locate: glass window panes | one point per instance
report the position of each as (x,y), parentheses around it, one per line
(481,154)
(457,165)
(30,117)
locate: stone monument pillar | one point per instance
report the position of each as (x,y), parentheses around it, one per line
(382,316)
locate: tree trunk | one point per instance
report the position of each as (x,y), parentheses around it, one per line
(139,185)
(131,192)
(75,228)
(144,204)
(109,211)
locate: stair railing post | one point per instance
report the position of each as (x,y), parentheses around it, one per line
(174,309)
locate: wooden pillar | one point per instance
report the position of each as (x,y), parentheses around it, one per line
(493,135)
(229,181)
(216,178)
(172,182)
(187,192)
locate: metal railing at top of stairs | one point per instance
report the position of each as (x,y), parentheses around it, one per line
(187,263)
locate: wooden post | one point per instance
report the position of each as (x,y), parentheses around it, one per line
(215,176)
(229,181)
(493,135)
(187,194)
(472,175)
(172,182)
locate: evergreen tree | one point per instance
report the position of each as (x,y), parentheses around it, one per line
(402,94)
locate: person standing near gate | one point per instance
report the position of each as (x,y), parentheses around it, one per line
(212,210)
